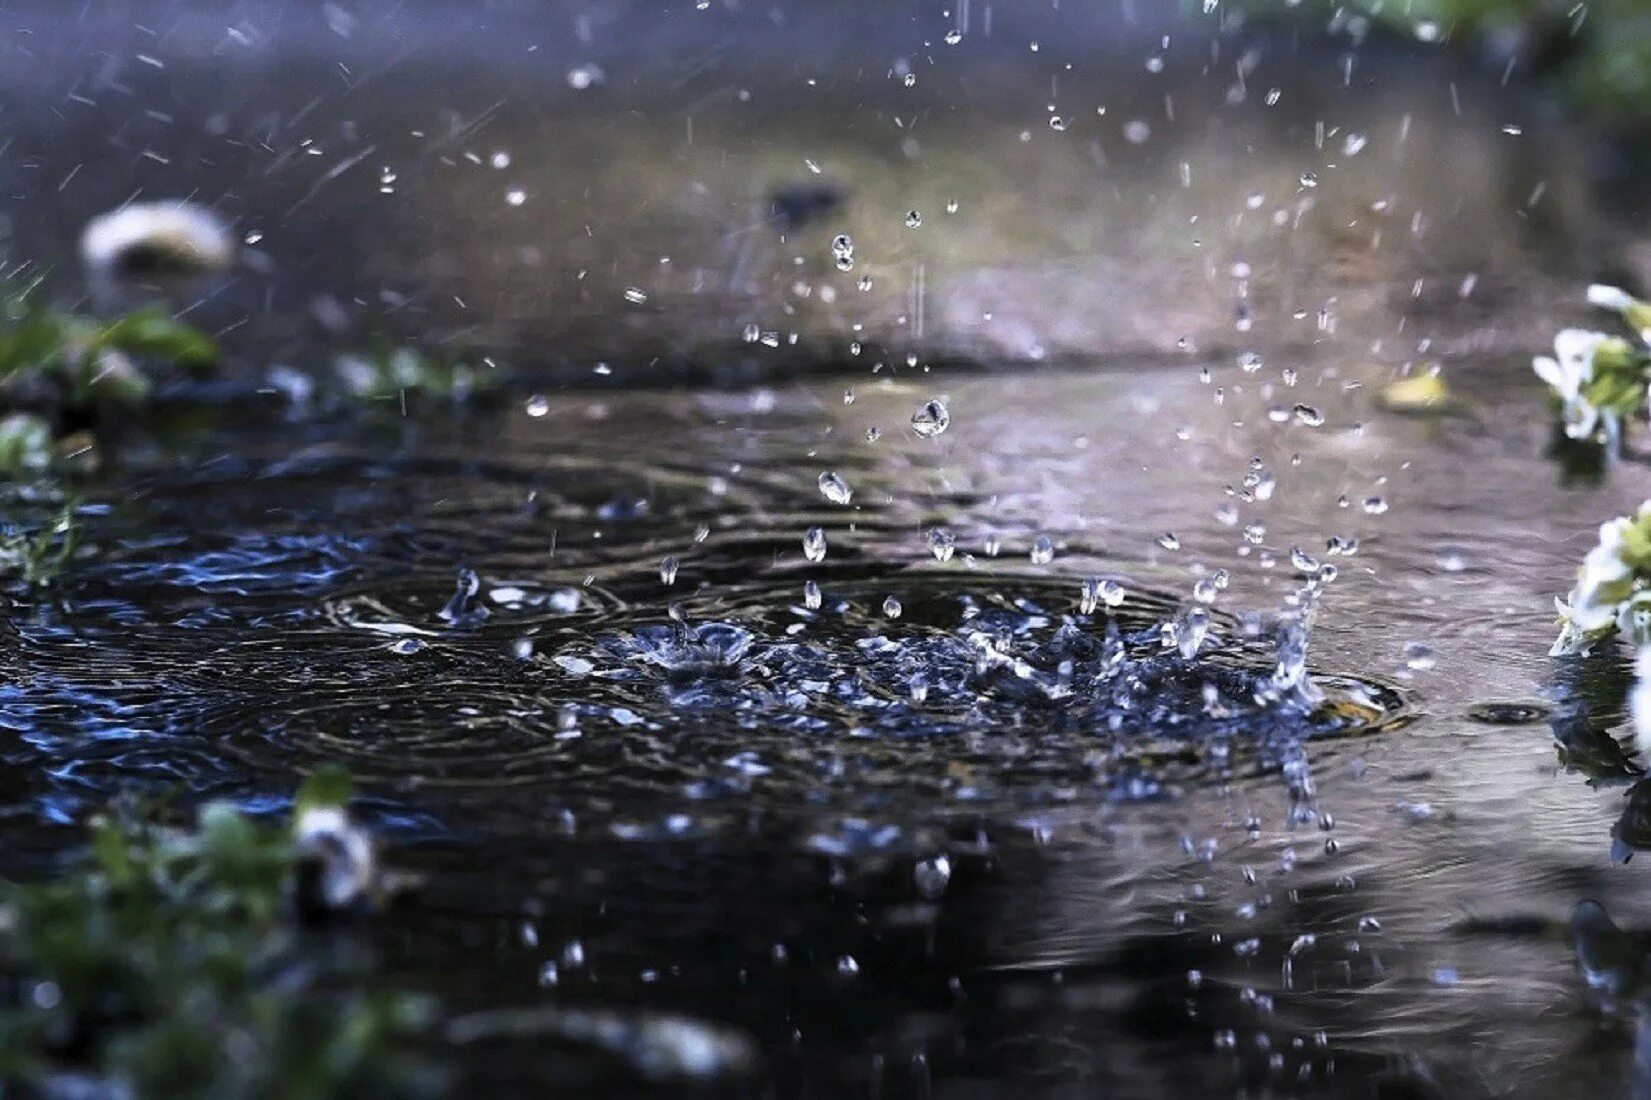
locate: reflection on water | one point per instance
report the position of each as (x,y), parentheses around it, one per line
(981,836)
(847,724)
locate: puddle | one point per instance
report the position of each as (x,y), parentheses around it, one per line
(786,734)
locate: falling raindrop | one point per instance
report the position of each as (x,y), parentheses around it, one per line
(914,219)
(814,543)
(668,566)
(942,544)
(834,488)
(891,607)
(932,419)
(931,876)
(842,250)
(811,595)
(1043,550)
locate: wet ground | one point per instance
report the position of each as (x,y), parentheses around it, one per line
(940,834)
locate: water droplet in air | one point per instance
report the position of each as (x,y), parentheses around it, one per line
(891,607)
(932,419)
(1309,179)
(834,488)
(811,595)
(462,608)
(914,219)
(942,544)
(538,405)
(931,876)
(635,295)
(1168,541)
(918,689)
(953,37)
(581,77)
(814,542)
(668,566)
(1043,550)
(1375,505)
(1309,415)
(406,646)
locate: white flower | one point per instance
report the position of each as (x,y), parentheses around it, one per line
(1605,599)
(1570,370)
(340,854)
(1604,565)
(1581,624)
(164,237)
(1609,297)
(1639,701)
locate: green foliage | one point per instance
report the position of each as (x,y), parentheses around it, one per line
(84,358)
(171,964)
(328,789)
(1598,53)
(39,558)
(1619,378)
(25,444)
(388,372)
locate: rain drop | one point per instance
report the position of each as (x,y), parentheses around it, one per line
(814,542)
(834,488)
(932,419)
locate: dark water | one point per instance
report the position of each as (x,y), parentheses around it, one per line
(880,853)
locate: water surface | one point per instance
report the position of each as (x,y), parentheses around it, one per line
(826,828)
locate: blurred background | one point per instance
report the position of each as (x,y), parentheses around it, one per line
(570,182)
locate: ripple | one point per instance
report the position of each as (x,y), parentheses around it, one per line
(985,692)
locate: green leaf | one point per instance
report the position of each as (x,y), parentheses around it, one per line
(152,332)
(328,789)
